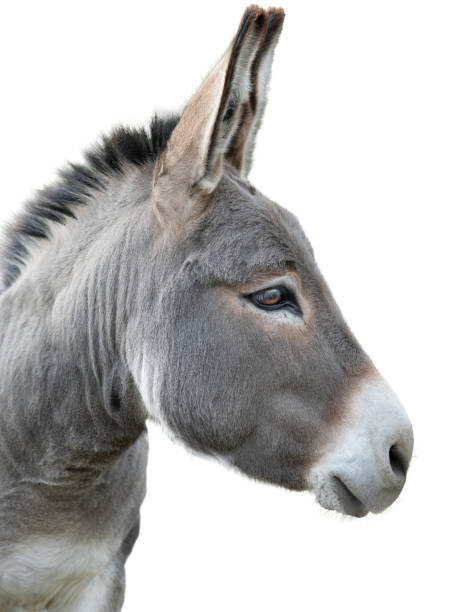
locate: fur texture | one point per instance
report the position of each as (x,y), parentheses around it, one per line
(76,187)
(146,304)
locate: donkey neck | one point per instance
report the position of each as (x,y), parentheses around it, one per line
(69,406)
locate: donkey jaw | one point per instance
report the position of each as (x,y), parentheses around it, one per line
(364,469)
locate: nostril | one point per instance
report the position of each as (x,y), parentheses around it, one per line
(397,461)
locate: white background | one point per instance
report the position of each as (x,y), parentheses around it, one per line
(361,140)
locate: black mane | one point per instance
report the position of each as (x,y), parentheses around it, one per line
(75,185)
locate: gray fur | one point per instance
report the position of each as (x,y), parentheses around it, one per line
(123,290)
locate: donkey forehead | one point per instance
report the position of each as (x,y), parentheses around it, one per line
(245,233)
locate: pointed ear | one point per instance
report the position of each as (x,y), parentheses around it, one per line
(191,165)
(241,148)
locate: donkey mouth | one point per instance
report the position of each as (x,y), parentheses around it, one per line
(351,504)
(333,494)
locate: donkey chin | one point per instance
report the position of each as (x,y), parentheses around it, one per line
(364,468)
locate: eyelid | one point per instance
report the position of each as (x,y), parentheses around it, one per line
(283,288)
(264,282)
(286,291)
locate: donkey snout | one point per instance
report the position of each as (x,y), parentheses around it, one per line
(374,479)
(365,468)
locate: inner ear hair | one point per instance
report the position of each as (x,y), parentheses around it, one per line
(218,121)
(240,150)
(237,87)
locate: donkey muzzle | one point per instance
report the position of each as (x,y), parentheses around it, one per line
(364,468)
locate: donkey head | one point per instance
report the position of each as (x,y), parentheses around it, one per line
(250,359)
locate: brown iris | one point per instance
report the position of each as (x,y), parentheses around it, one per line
(270,297)
(275,298)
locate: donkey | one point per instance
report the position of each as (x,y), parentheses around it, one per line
(154,281)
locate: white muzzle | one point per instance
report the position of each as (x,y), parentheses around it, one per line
(364,469)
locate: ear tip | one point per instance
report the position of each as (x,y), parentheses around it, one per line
(253,20)
(251,16)
(276,10)
(276,17)
(254,13)
(254,10)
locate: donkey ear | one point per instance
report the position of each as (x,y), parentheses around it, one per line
(192,163)
(241,148)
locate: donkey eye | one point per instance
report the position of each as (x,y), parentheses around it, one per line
(269,297)
(275,298)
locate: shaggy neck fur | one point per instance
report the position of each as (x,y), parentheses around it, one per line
(69,404)
(76,187)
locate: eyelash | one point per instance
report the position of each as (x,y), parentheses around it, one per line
(288,301)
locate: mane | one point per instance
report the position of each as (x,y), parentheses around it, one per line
(75,185)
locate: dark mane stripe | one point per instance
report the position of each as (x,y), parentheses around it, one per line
(75,184)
